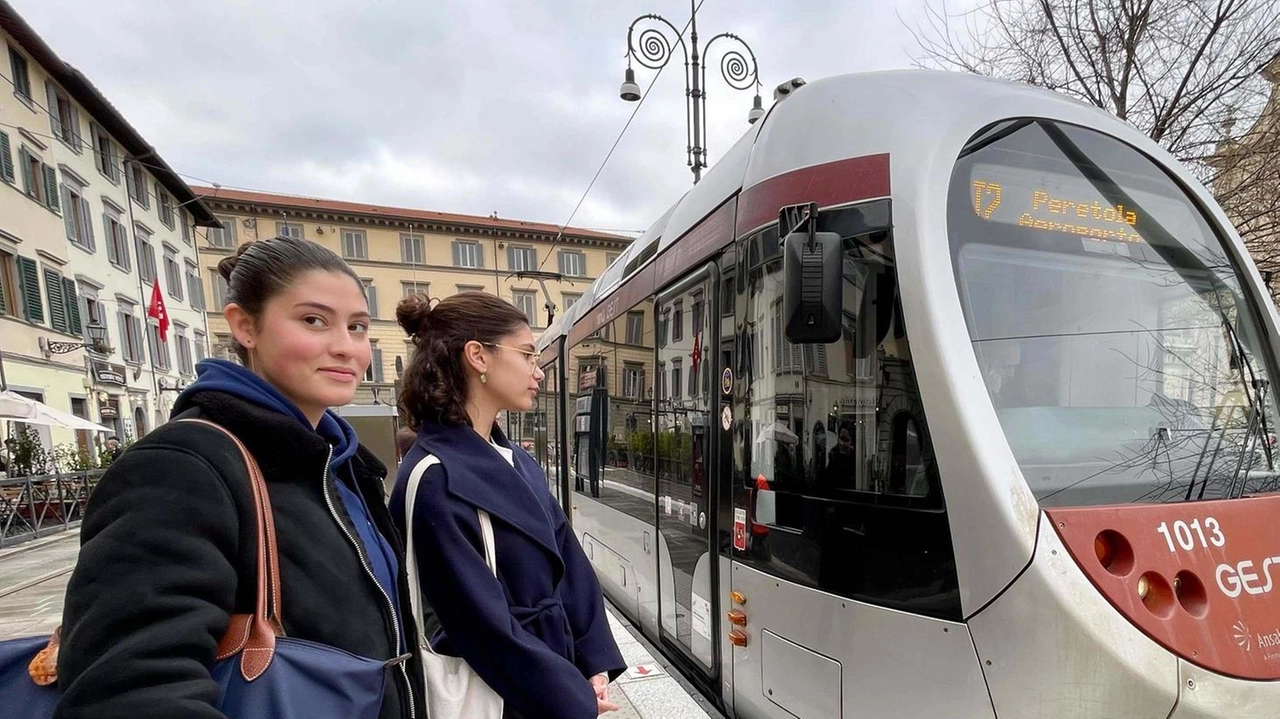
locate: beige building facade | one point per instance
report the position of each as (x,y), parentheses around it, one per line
(91,219)
(398,251)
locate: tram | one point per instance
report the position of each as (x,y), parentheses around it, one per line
(938,396)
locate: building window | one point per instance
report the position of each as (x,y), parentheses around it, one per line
(64,118)
(75,215)
(522,259)
(470,288)
(172,273)
(6,159)
(677,321)
(117,240)
(39,180)
(9,297)
(130,335)
(374,373)
(224,238)
(289,229)
(570,298)
(184,353)
(635,328)
(526,302)
(194,289)
(185,222)
(19,73)
(159,349)
(219,291)
(27,272)
(146,255)
(468,254)
(93,311)
(610,258)
(633,381)
(137,185)
(355,245)
(412,249)
(371,294)
(199,344)
(412,287)
(573,263)
(164,205)
(105,157)
(676,374)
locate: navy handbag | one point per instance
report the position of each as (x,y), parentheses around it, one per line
(261,673)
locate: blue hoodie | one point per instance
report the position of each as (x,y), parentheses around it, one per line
(216,375)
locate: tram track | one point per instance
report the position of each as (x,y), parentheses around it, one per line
(35,581)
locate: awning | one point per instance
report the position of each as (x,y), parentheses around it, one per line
(14,406)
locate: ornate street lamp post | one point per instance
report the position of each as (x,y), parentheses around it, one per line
(652,47)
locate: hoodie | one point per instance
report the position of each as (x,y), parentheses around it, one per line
(223,376)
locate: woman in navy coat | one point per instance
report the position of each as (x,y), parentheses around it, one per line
(537,633)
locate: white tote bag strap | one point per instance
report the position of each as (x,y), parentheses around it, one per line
(415,586)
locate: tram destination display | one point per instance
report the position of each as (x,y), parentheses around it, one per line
(1070,205)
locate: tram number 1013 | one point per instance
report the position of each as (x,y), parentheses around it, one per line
(1188,534)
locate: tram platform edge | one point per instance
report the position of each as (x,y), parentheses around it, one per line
(654,656)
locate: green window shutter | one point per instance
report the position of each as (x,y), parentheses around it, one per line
(57,305)
(6,158)
(68,217)
(4,296)
(51,187)
(55,117)
(86,232)
(72,301)
(28,182)
(29,288)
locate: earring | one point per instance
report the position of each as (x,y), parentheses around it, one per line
(484,378)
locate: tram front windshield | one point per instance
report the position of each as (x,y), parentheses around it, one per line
(1122,358)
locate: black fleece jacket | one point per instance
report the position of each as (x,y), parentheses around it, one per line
(167,555)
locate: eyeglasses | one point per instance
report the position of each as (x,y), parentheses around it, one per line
(529,355)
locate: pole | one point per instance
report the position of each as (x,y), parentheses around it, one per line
(695,95)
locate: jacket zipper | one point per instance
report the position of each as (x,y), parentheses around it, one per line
(395,621)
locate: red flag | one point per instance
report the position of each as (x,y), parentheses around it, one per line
(157,310)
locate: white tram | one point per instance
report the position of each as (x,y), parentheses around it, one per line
(937,397)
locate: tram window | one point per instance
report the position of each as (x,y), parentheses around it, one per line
(611,446)
(547,427)
(1120,373)
(841,482)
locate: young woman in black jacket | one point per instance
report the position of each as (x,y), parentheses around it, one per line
(168,539)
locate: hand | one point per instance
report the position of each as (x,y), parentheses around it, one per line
(600,683)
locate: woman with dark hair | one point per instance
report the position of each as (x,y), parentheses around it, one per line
(169,536)
(533,627)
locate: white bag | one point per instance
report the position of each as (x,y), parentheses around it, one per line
(454,690)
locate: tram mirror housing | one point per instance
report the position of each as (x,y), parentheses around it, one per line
(812,299)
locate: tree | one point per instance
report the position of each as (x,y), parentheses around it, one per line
(1187,73)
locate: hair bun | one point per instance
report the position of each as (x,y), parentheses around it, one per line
(414,313)
(227,265)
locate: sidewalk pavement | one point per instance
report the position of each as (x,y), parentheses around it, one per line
(33,582)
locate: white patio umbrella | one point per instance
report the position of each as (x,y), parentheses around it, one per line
(14,406)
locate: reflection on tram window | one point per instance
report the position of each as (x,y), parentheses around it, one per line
(610,413)
(842,486)
(1129,368)
(547,412)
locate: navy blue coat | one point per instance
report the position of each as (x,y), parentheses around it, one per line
(536,633)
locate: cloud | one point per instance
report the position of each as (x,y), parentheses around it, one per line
(468,106)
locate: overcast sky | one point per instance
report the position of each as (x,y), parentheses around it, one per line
(473,106)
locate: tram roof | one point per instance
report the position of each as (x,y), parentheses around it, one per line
(846,116)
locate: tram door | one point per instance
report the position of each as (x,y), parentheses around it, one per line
(685,444)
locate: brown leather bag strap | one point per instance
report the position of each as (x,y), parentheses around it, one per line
(253,636)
